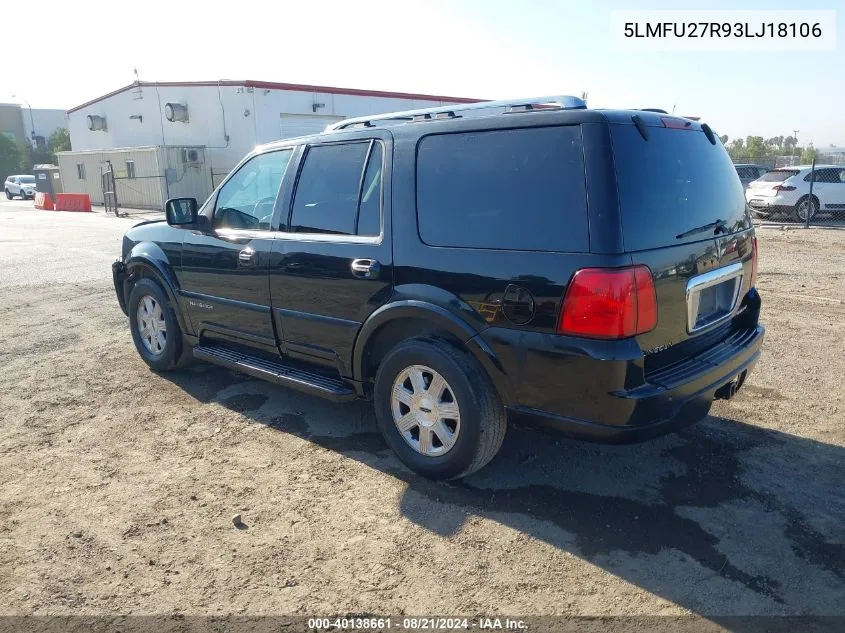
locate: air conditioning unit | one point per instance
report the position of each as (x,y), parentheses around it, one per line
(192,156)
(176,112)
(96,122)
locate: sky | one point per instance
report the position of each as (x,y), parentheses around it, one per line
(469,48)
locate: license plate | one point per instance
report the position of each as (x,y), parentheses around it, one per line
(712,297)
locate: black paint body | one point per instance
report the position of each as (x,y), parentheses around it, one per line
(299,300)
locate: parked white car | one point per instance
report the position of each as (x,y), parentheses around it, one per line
(787,191)
(23,186)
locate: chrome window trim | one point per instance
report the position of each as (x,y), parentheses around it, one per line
(251,234)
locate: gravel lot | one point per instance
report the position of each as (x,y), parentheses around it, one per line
(119,485)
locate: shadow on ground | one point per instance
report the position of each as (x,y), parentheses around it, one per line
(724,518)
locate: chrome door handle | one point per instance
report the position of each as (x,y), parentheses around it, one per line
(366,268)
(247,257)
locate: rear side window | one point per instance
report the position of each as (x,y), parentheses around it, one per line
(778,175)
(672,184)
(826,175)
(517,189)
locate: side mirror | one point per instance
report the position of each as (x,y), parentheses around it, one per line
(181,211)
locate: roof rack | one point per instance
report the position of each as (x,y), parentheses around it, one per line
(560,102)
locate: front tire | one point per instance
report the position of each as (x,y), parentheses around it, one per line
(8,195)
(437,409)
(155,328)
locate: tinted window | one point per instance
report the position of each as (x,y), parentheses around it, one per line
(369,211)
(674,182)
(27,180)
(505,189)
(326,199)
(824,175)
(746,172)
(778,175)
(247,199)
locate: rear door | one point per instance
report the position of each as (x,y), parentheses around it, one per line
(828,188)
(333,264)
(683,215)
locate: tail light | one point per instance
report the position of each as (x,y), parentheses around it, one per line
(754,261)
(784,188)
(609,303)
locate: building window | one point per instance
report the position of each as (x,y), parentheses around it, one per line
(80,171)
(130,169)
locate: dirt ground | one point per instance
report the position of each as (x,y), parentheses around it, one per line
(118,486)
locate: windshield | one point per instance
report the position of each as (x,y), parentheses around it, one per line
(672,183)
(28,180)
(778,175)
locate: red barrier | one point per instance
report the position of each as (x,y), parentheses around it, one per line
(43,201)
(73,202)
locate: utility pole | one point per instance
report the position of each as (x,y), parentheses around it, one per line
(794,141)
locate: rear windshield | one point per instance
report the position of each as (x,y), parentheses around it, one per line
(778,175)
(28,179)
(673,183)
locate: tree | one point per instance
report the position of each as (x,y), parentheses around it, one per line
(809,154)
(755,148)
(724,139)
(789,144)
(59,141)
(10,156)
(31,156)
(736,149)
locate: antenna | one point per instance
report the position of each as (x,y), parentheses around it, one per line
(138,92)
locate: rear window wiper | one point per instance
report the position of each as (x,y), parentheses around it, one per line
(718,226)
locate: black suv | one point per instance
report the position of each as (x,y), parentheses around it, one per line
(537,260)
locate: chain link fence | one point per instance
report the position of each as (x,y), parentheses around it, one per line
(785,189)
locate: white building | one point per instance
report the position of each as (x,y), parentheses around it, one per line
(30,125)
(184,137)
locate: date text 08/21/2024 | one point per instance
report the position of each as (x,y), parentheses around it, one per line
(418,623)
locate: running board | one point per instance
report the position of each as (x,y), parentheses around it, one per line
(326,387)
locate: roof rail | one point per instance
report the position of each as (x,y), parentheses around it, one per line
(560,102)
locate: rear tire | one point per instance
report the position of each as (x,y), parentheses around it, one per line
(803,206)
(155,328)
(426,389)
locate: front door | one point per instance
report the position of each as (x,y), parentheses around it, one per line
(225,270)
(332,265)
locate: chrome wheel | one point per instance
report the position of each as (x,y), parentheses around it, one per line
(805,207)
(151,325)
(425,410)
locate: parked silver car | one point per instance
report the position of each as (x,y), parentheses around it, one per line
(23,186)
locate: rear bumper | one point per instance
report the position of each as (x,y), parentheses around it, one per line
(592,400)
(118,273)
(674,398)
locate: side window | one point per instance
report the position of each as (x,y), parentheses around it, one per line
(247,199)
(130,169)
(80,171)
(823,175)
(520,189)
(335,185)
